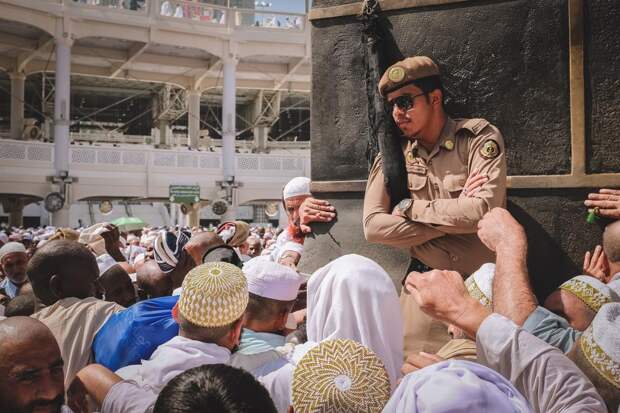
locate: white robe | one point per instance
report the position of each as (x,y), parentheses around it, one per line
(171,359)
(352,297)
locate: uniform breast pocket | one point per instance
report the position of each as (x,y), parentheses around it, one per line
(416,181)
(454,184)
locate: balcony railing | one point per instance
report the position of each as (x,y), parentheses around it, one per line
(225,13)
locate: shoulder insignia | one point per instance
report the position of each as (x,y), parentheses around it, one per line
(475,126)
(490,149)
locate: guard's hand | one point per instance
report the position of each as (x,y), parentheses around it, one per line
(473,184)
(315,210)
(596,264)
(606,203)
(419,361)
(440,294)
(498,228)
(397,212)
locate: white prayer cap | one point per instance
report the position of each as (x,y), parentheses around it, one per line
(105,262)
(600,343)
(456,386)
(10,248)
(591,291)
(271,280)
(480,284)
(296,187)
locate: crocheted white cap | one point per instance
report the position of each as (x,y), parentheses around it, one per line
(297,187)
(271,280)
(10,248)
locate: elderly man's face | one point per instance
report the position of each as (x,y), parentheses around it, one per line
(567,305)
(292,209)
(14,267)
(31,378)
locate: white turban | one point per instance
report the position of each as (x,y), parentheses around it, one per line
(10,248)
(271,280)
(456,386)
(297,187)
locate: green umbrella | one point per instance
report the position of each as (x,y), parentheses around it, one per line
(126,224)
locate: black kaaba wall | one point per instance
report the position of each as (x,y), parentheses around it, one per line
(506,61)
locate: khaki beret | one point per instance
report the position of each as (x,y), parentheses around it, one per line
(404,72)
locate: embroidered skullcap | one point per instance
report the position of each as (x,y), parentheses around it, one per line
(480,284)
(296,187)
(213,294)
(271,280)
(234,233)
(11,248)
(105,262)
(590,290)
(600,343)
(340,376)
(168,249)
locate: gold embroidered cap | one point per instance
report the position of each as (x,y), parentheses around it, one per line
(480,284)
(600,343)
(404,72)
(340,376)
(214,294)
(590,290)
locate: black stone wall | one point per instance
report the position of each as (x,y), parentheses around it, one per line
(506,61)
(602,72)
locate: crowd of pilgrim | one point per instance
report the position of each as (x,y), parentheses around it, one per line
(190,320)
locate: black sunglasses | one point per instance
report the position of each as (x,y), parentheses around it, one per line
(405,102)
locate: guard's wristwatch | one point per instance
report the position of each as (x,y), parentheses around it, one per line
(405,204)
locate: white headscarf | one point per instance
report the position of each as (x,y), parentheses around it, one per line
(456,386)
(353,297)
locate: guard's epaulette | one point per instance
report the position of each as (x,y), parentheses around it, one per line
(474,126)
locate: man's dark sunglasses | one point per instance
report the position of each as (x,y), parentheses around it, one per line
(405,102)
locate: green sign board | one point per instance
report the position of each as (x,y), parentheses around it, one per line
(184,194)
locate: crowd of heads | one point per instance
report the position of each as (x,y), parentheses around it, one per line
(223,321)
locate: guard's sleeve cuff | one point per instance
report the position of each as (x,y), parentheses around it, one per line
(417,209)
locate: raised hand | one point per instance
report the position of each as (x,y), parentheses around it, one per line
(605,203)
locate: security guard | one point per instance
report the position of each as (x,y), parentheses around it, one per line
(456,171)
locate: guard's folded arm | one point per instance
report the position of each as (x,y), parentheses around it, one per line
(380,226)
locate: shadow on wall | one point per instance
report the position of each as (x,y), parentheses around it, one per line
(557,232)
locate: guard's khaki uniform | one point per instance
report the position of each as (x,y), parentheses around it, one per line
(441,227)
